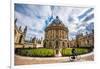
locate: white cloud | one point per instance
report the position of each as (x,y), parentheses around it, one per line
(37,14)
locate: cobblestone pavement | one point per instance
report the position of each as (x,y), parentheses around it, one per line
(21,60)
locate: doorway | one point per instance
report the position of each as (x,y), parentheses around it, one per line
(57,51)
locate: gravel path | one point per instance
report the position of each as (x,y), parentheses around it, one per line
(21,60)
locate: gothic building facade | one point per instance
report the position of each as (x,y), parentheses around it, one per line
(19,35)
(85,40)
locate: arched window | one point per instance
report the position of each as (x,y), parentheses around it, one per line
(68,45)
(63,44)
(56,44)
(20,39)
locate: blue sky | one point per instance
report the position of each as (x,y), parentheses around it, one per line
(38,17)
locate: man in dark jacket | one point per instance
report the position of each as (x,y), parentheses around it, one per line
(73,53)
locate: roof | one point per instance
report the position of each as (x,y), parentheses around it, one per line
(57,24)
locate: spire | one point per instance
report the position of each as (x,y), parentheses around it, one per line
(20,28)
(15,22)
(93,31)
(86,33)
(25,29)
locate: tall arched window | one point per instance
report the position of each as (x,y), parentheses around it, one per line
(20,39)
(68,45)
(63,44)
(56,44)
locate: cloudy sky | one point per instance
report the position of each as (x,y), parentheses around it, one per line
(38,17)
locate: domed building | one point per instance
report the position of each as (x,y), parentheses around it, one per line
(56,35)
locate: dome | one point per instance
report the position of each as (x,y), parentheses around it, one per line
(56,24)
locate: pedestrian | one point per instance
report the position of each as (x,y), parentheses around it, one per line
(73,54)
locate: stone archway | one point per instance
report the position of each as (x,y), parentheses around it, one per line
(57,51)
